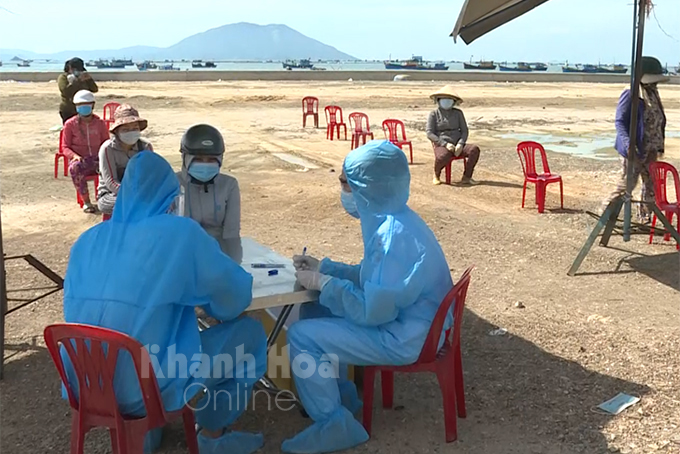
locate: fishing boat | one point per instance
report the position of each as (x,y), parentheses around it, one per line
(113,64)
(145,66)
(415,63)
(170,67)
(127,62)
(586,69)
(481,65)
(538,66)
(305,63)
(0,64)
(521,67)
(24,64)
(200,64)
(613,69)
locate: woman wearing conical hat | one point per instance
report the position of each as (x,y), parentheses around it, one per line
(448,132)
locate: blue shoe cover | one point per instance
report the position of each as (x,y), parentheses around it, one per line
(153,440)
(349,396)
(339,432)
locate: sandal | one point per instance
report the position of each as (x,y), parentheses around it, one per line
(89,208)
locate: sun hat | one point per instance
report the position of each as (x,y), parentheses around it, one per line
(125,115)
(652,71)
(448,91)
(83,97)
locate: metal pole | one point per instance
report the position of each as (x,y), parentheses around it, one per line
(636,76)
(3,304)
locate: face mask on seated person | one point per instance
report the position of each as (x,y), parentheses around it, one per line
(204,171)
(446,103)
(349,204)
(84,111)
(129,137)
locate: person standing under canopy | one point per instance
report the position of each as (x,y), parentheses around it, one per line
(151,269)
(651,134)
(74,78)
(448,132)
(211,198)
(80,141)
(376,313)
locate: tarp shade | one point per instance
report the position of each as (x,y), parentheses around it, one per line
(479,17)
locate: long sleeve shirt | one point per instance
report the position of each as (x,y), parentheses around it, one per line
(68,90)
(446,126)
(113,159)
(83,138)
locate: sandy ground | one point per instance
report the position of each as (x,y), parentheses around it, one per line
(578,342)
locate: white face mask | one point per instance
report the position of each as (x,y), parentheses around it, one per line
(129,137)
(446,103)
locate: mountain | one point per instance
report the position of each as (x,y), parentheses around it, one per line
(242,41)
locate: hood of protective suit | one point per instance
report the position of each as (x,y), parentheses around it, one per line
(379,177)
(148,189)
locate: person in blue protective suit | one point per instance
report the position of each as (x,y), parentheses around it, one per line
(376,313)
(152,268)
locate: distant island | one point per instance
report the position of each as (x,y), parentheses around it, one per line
(241,41)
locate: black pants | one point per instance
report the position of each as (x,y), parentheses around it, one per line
(66,116)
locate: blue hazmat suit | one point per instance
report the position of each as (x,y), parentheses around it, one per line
(142,273)
(376,313)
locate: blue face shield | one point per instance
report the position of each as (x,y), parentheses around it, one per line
(349,204)
(204,171)
(84,111)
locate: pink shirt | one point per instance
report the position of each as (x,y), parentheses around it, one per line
(83,139)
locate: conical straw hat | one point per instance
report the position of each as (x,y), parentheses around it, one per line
(447,92)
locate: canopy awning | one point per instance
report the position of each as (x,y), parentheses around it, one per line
(479,17)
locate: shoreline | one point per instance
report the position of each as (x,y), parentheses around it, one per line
(384,76)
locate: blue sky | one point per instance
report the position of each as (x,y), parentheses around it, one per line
(574,30)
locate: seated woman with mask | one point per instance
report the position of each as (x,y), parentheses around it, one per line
(210,198)
(448,132)
(115,154)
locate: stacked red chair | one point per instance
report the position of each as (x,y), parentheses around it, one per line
(659,172)
(395,132)
(361,128)
(310,106)
(446,362)
(93,352)
(334,122)
(60,155)
(527,156)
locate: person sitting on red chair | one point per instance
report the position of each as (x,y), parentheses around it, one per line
(82,136)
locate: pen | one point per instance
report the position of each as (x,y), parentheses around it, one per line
(304,251)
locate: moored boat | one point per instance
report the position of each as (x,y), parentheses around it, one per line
(481,65)
(521,67)
(415,63)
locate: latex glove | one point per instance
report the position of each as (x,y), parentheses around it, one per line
(306,263)
(458,149)
(312,280)
(71,78)
(451,147)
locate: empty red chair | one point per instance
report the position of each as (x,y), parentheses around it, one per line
(310,106)
(361,128)
(334,121)
(60,155)
(446,363)
(395,132)
(109,110)
(659,172)
(95,179)
(527,156)
(93,352)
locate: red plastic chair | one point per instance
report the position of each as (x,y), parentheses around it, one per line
(97,407)
(659,172)
(447,169)
(60,155)
(395,132)
(94,178)
(310,106)
(361,128)
(446,363)
(109,110)
(334,121)
(527,156)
